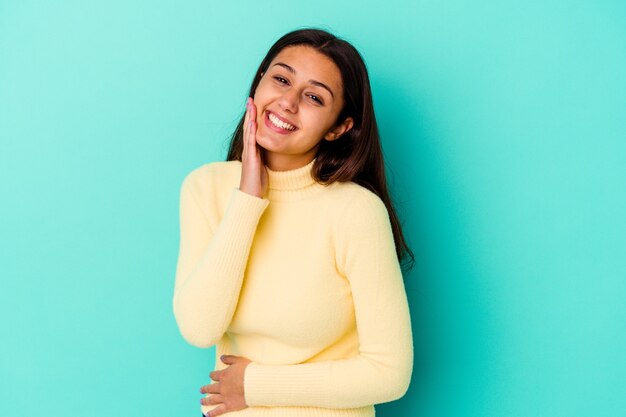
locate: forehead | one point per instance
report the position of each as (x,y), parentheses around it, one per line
(310,64)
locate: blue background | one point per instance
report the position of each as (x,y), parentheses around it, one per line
(503,125)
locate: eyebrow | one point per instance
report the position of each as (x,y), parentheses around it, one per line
(314,82)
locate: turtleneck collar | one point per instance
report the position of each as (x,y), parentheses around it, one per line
(293,179)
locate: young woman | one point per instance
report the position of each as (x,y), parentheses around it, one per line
(290,249)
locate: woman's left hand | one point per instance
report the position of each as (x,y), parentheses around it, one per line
(228,390)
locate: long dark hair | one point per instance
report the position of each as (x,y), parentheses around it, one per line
(357,155)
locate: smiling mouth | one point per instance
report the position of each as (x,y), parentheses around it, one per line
(278,126)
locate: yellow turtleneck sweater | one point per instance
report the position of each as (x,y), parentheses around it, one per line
(304,282)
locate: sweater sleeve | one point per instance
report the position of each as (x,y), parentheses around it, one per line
(211,263)
(382,370)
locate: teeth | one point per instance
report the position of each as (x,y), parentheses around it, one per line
(278,123)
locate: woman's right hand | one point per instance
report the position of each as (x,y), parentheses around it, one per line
(254,179)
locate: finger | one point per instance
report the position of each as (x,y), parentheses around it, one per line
(228,359)
(252,110)
(210,388)
(215,375)
(212,399)
(252,144)
(252,128)
(221,409)
(215,399)
(245,126)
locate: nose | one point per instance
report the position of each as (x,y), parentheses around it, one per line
(288,101)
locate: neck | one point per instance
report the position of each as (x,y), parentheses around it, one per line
(291,179)
(287,162)
(292,184)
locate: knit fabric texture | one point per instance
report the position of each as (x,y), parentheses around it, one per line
(305,282)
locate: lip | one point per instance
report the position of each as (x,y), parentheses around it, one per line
(276,128)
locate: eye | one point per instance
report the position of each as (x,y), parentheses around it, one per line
(315,98)
(284,81)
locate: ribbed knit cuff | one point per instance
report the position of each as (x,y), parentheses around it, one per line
(304,384)
(243,202)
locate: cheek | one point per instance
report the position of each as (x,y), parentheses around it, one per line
(264,94)
(322,120)
(261,89)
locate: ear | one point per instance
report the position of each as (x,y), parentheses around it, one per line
(338,131)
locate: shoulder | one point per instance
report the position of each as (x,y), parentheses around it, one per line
(355,195)
(209,186)
(212,176)
(360,207)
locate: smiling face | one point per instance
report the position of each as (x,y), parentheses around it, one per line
(298,100)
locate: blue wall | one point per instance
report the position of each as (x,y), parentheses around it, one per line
(503,125)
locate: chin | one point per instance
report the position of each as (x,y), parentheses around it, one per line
(266,144)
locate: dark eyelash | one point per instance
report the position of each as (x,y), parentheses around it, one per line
(312,95)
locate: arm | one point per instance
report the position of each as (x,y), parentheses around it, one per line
(381,372)
(211,263)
